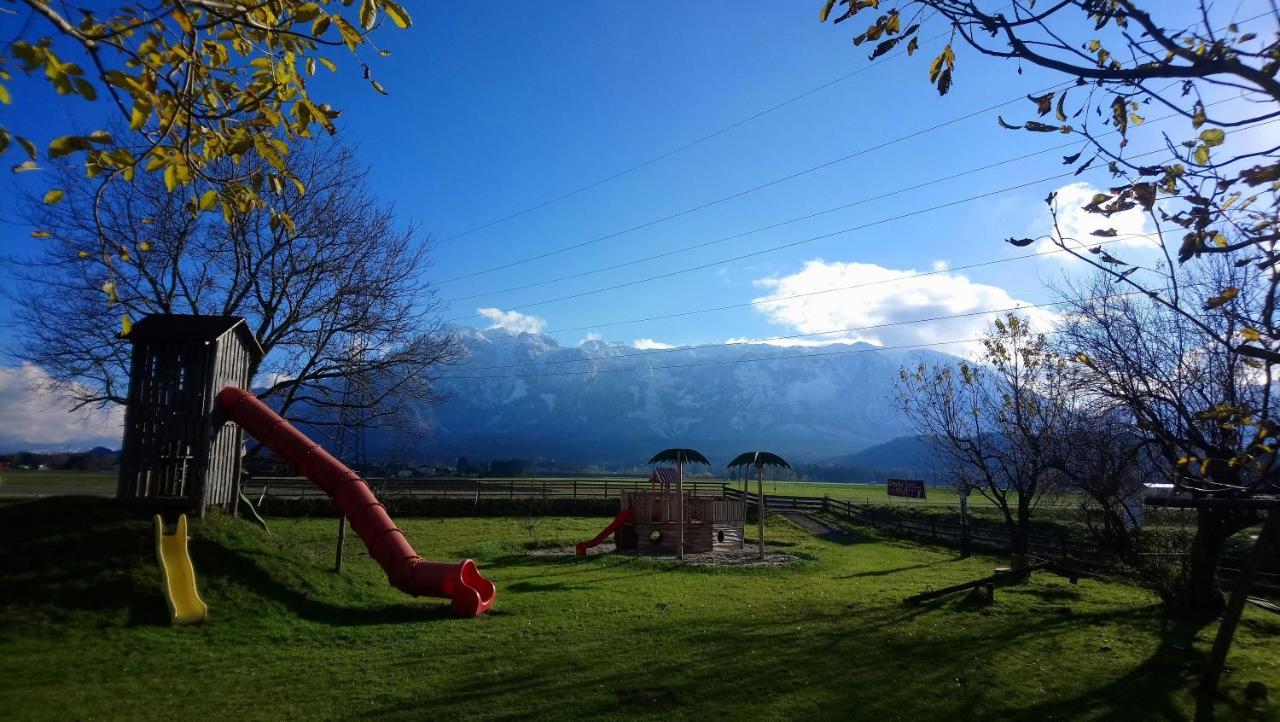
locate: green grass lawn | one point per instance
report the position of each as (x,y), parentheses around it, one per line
(57,479)
(83,632)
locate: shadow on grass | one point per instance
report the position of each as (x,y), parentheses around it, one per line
(897,570)
(244,570)
(80,554)
(817,661)
(94,555)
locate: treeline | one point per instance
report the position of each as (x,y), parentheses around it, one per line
(97,459)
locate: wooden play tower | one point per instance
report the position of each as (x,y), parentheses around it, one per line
(711,523)
(177,452)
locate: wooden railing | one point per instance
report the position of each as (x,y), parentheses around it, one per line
(461,488)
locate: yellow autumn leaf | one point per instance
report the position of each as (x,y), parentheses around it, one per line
(53,196)
(126,325)
(40,234)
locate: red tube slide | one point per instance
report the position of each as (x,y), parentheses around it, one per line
(624,516)
(471,593)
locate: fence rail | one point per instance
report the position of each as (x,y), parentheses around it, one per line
(461,488)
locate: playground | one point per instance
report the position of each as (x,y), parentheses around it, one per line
(606,635)
(177,598)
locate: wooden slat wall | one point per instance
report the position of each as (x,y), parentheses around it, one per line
(658,507)
(172,452)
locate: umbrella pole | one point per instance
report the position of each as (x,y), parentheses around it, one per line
(760,490)
(680,508)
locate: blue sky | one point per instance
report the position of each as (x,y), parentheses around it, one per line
(495,108)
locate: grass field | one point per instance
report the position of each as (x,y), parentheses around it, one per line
(83,632)
(57,479)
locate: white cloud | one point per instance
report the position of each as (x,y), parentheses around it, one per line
(32,416)
(513,321)
(591,336)
(941,265)
(1133,228)
(646,344)
(893,297)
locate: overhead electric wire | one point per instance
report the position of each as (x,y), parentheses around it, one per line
(739,194)
(779,224)
(782,299)
(1053,88)
(772,249)
(789,337)
(803,241)
(680,149)
(743,234)
(811,334)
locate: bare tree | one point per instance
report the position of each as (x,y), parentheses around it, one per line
(995,424)
(336,292)
(1101,457)
(1202,409)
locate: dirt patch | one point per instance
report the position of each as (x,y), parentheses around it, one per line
(734,558)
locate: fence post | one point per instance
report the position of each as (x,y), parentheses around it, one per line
(511,487)
(826,503)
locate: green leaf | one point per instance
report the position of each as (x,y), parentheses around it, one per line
(4,95)
(1212,137)
(826,10)
(1201,155)
(53,196)
(368,14)
(209,200)
(68,144)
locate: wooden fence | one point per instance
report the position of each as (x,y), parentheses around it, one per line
(1056,547)
(478,489)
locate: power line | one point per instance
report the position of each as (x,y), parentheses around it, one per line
(739,194)
(781,299)
(1053,88)
(760,229)
(783,246)
(680,149)
(798,219)
(790,337)
(803,241)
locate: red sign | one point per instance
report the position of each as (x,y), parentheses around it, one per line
(910,488)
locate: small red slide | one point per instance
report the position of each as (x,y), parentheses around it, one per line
(461,582)
(623,517)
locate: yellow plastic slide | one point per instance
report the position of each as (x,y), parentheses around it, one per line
(185,604)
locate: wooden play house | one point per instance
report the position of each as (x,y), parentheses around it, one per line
(176,452)
(711,522)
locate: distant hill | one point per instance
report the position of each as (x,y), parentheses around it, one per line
(908,457)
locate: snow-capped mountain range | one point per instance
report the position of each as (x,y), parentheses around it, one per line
(611,403)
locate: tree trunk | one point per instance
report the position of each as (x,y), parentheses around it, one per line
(1207,693)
(1201,596)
